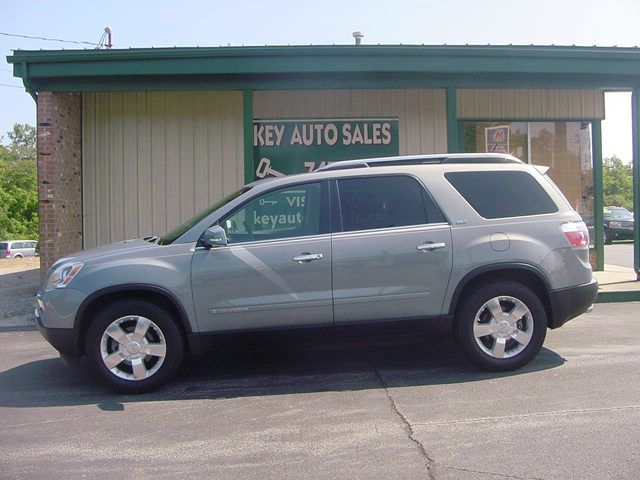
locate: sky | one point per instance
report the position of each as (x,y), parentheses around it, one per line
(163,23)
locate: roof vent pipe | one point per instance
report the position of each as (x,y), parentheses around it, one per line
(107,30)
(358,36)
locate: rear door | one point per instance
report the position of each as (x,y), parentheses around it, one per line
(392,255)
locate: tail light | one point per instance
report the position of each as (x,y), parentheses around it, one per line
(576,233)
(8,253)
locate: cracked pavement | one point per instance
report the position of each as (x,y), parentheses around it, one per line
(404,408)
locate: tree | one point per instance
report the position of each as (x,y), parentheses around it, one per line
(618,183)
(18,185)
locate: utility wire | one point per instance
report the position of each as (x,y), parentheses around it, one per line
(48,39)
(12,86)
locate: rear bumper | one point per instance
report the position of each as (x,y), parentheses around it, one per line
(568,303)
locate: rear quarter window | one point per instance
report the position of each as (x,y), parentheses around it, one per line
(3,246)
(502,194)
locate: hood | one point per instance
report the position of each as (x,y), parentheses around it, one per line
(113,249)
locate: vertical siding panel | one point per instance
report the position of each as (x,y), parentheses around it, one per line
(214,124)
(201,151)
(521,100)
(89,170)
(427,121)
(238,118)
(130,164)
(343,102)
(258,103)
(414,128)
(158,163)
(116,155)
(172,167)
(536,103)
(229,152)
(185,156)
(400,110)
(103,170)
(440,112)
(145,212)
(484,104)
(386,105)
(358,102)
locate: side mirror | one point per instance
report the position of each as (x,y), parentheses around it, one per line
(214,237)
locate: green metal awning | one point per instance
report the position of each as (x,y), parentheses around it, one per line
(364,66)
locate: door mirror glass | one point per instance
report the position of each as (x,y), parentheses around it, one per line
(213,237)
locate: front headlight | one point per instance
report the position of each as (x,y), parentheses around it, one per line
(62,275)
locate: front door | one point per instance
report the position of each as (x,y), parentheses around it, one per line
(275,271)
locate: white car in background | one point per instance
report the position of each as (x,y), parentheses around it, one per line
(18,248)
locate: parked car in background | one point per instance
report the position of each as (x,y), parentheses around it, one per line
(618,224)
(18,248)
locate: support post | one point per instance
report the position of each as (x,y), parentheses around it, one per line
(452,120)
(247,119)
(635,118)
(598,193)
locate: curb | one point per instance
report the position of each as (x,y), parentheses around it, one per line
(618,296)
(18,328)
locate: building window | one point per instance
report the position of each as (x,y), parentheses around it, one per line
(565,147)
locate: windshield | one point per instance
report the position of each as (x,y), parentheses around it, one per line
(171,236)
(619,212)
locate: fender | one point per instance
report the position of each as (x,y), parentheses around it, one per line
(538,272)
(127,287)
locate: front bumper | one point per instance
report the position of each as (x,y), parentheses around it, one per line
(568,303)
(65,340)
(55,313)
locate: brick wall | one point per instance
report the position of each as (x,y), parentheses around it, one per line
(59,175)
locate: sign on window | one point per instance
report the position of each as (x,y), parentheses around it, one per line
(497,139)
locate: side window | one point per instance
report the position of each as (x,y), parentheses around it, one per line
(18,245)
(383,202)
(288,212)
(502,194)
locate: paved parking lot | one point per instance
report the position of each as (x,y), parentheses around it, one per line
(410,408)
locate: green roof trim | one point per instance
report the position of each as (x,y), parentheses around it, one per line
(383,66)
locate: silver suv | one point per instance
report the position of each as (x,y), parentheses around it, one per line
(481,245)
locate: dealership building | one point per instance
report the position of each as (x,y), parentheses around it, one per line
(134,142)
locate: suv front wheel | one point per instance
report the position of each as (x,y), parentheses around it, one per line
(134,346)
(502,326)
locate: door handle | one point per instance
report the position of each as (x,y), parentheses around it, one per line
(308,257)
(430,246)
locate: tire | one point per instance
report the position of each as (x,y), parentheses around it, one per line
(134,346)
(510,342)
(18,255)
(607,238)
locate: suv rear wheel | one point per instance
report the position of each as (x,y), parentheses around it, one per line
(134,346)
(502,326)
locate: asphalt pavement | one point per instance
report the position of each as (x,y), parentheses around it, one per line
(403,408)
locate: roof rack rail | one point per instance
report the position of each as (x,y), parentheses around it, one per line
(421,160)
